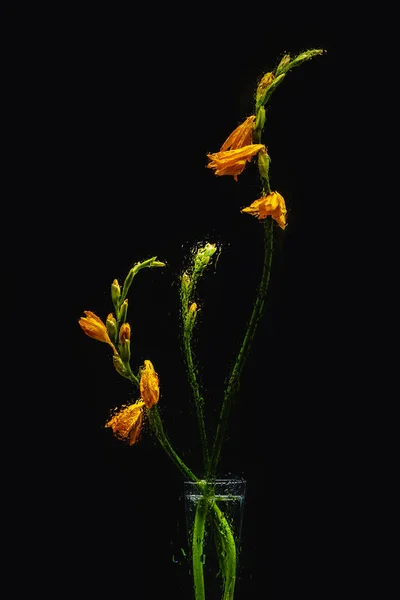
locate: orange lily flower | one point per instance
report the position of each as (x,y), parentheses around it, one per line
(273,204)
(237,149)
(233,162)
(94,327)
(149,385)
(127,422)
(241,136)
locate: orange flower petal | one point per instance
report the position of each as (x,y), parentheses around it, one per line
(241,136)
(149,385)
(94,327)
(127,422)
(272,205)
(232,162)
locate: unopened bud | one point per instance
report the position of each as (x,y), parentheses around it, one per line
(157,263)
(260,120)
(185,281)
(124,311)
(186,284)
(203,256)
(262,98)
(263,163)
(125,344)
(115,293)
(129,279)
(282,67)
(210,249)
(111,325)
(125,351)
(119,366)
(300,58)
(191,318)
(124,332)
(264,84)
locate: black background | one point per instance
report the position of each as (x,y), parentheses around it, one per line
(122,111)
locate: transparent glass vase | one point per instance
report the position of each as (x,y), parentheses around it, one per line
(214,517)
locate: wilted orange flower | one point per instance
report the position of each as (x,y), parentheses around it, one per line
(127,422)
(233,162)
(273,204)
(237,149)
(241,136)
(149,385)
(94,327)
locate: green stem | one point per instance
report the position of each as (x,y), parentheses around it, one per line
(199,528)
(249,335)
(198,399)
(131,376)
(157,426)
(227,552)
(129,278)
(225,545)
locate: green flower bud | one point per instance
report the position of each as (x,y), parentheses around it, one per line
(128,280)
(115,294)
(303,57)
(125,351)
(157,263)
(119,366)
(282,67)
(125,343)
(260,120)
(124,311)
(111,325)
(186,285)
(203,256)
(264,84)
(263,163)
(264,95)
(150,262)
(191,318)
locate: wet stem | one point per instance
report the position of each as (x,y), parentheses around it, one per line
(233,382)
(198,535)
(226,541)
(226,547)
(157,426)
(197,397)
(248,338)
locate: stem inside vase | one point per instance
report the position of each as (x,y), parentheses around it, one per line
(214,516)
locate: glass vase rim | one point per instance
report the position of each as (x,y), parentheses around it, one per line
(219,481)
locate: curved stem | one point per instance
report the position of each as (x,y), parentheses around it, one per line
(157,426)
(249,335)
(226,552)
(132,377)
(225,545)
